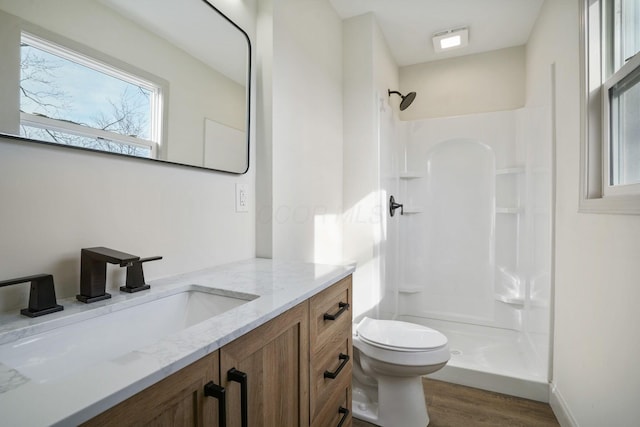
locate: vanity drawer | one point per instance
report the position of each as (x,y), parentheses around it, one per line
(332,352)
(330,313)
(337,363)
(337,412)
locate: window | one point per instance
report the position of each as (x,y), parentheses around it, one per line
(72,99)
(611,106)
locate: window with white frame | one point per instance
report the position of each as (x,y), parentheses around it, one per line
(69,98)
(611,106)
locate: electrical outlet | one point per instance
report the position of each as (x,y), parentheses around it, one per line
(242,198)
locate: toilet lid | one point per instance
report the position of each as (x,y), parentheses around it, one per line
(396,335)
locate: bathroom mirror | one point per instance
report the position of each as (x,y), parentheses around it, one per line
(165,80)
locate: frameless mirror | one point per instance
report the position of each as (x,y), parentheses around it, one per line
(166,80)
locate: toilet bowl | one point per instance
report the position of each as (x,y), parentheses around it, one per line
(390,358)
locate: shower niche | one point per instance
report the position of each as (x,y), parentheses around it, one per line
(410,179)
(510,188)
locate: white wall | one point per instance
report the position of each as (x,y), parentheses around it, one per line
(390,134)
(369,71)
(304,104)
(361,221)
(264,129)
(55,201)
(595,372)
(484,82)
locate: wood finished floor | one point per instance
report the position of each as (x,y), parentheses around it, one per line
(452,405)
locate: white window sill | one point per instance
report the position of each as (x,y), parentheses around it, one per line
(625,205)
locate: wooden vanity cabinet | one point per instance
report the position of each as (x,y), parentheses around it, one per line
(284,363)
(177,400)
(275,359)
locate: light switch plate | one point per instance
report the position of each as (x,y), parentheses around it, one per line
(242,198)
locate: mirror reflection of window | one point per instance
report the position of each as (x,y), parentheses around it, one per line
(71,99)
(144,76)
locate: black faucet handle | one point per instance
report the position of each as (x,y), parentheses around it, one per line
(42,295)
(151,258)
(393,206)
(135,275)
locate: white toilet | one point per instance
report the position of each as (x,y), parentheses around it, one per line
(390,358)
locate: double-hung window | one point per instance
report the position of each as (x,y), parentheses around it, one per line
(70,98)
(611,106)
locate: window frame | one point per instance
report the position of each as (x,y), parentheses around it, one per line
(99,62)
(596,61)
(629,70)
(33,120)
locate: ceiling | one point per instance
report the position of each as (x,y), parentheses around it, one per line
(409,24)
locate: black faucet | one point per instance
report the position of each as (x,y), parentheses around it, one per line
(93,271)
(42,296)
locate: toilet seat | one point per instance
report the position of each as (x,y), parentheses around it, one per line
(399,336)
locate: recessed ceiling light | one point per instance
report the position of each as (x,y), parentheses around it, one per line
(451,39)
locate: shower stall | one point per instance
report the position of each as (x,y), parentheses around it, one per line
(471,255)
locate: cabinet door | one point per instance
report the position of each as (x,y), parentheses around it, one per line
(176,401)
(275,359)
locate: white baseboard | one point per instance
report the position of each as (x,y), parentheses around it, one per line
(560,408)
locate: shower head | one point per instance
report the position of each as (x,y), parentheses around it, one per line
(406,99)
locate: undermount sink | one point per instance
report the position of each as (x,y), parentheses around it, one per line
(66,349)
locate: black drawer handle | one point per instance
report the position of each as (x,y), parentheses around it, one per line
(345,414)
(240,377)
(334,374)
(218,392)
(344,306)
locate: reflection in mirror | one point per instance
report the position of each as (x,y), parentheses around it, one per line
(158,79)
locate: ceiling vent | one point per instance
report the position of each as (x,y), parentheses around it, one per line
(451,39)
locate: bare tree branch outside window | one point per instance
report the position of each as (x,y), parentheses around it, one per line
(47,85)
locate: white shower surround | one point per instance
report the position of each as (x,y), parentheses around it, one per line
(448,246)
(496,312)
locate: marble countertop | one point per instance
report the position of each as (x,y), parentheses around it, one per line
(78,396)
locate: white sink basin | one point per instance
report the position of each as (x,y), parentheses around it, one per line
(58,352)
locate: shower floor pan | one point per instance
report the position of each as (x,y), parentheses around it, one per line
(491,359)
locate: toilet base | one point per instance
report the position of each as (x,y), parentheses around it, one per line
(362,407)
(400,402)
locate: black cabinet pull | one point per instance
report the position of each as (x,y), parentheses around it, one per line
(218,392)
(240,377)
(343,307)
(334,374)
(345,414)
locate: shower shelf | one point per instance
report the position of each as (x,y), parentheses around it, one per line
(507,171)
(410,175)
(412,210)
(515,301)
(410,289)
(509,210)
